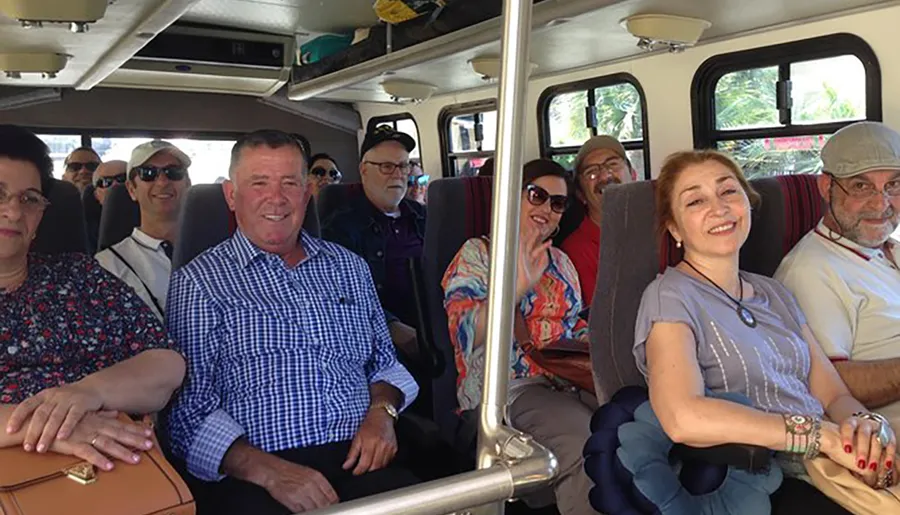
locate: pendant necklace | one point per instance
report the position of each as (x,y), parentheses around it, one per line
(742,312)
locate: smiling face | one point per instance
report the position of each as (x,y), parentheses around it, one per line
(268,195)
(710,210)
(868,220)
(542,217)
(159,199)
(601,169)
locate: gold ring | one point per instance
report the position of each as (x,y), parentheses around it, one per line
(94,441)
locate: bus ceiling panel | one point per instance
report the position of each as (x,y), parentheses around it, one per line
(90,55)
(305,17)
(574,34)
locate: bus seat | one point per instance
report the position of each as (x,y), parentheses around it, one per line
(120,215)
(445,233)
(206,221)
(791,207)
(333,196)
(62,228)
(92,211)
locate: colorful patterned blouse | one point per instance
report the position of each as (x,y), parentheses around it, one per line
(68,320)
(551,312)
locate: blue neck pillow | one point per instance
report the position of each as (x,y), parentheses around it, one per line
(628,457)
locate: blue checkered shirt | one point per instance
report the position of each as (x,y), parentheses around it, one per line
(282,356)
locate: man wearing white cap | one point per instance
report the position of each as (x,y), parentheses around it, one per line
(600,162)
(157,179)
(845,272)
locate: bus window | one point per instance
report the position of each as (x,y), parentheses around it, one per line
(209,158)
(468,137)
(61,145)
(571,113)
(774,108)
(403,122)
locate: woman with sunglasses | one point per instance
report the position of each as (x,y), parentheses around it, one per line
(417,183)
(323,170)
(549,299)
(77,344)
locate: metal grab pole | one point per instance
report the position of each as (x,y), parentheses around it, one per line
(505,226)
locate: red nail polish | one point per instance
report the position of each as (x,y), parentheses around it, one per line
(861,464)
(848,449)
(873,466)
(888,464)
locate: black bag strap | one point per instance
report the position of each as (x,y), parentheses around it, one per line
(150,293)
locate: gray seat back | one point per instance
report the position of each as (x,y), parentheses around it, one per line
(62,227)
(119,217)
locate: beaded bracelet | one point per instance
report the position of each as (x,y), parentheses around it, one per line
(802,435)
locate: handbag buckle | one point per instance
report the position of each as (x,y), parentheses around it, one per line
(84,473)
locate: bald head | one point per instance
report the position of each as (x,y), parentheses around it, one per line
(108,170)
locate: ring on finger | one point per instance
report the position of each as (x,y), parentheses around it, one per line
(94,441)
(884,436)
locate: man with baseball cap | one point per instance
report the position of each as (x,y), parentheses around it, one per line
(385,228)
(157,180)
(845,272)
(600,162)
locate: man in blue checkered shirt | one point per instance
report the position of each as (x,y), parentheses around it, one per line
(294,385)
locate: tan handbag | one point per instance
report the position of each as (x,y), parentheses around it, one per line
(842,487)
(567,359)
(51,484)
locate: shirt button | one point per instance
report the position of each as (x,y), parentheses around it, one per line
(379,253)
(396,231)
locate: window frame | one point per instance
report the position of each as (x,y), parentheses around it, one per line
(782,55)
(590,85)
(448,158)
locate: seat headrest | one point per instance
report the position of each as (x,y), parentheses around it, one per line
(92,208)
(119,217)
(445,233)
(62,227)
(631,256)
(205,221)
(334,196)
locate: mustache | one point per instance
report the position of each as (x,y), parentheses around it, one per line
(602,185)
(887,213)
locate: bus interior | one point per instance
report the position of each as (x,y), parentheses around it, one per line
(766,81)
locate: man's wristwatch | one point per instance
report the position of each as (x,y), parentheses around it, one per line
(391,410)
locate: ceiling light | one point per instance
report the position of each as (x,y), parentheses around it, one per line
(405,90)
(33,14)
(656,31)
(47,64)
(489,66)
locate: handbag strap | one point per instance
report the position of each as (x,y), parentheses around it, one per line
(522,334)
(147,288)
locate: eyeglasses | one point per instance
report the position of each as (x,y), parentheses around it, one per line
(861,190)
(611,165)
(106,182)
(334,173)
(387,167)
(75,166)
(538,196)
(421,180)
(150,173)
(30,201)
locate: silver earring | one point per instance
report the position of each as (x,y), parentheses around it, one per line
(678,244)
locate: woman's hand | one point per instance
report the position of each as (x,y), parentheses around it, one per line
(856,446)
(533,259)
(54,414)
(101,436)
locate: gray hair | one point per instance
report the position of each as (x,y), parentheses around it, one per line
(271,138)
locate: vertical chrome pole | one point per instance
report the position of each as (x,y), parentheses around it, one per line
(505,226)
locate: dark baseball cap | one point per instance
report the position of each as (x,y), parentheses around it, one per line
(384,133)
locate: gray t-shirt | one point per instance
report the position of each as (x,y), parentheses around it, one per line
(769,363)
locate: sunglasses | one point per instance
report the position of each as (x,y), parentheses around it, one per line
(76,166)
(334,173)
(150,173)
(421,180)
(538,196)
(106,182)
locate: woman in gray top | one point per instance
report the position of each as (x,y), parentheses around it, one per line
(705,324)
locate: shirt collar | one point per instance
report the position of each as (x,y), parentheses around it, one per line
(866,253)
(145,240)
(246,252)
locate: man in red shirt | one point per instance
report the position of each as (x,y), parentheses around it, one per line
(601,161)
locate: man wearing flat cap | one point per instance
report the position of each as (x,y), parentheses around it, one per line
(845,272)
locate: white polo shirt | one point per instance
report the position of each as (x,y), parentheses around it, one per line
(850,295)
(151,268)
